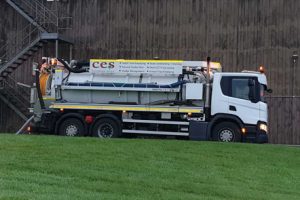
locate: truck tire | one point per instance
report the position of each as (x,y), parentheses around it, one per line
(226,132)
(71,127)
(106,128)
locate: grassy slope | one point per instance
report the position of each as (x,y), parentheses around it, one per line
(46,167)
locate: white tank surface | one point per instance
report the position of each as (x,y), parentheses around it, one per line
(131,81)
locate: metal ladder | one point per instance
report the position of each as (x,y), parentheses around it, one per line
(44,26)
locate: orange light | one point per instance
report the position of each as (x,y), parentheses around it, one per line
(29,129)
(261,69)
(61,110)
(124,111)
(189,114)
(53,61)
(243,130)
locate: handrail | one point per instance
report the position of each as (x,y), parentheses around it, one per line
(19,34)
(42,16)
(10,80)
(15,93)
(38,10)
(45,7)
(24,38)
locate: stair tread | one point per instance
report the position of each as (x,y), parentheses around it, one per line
(18,62)
(28,53)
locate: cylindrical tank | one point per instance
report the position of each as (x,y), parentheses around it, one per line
(129,81)
(119,88)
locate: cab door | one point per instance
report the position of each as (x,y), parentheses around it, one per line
(242,97)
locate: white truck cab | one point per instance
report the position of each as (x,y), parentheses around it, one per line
(241,96)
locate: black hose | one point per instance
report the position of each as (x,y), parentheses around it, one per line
(66,76)
(81,64)
(38,87)
(180,79)
(70,69)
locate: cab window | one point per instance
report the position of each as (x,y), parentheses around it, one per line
(240,87)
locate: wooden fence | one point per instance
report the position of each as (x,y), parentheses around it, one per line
(241,34)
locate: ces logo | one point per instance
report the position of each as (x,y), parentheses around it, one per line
(104,65)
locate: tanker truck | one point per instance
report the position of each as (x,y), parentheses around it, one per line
(110,98)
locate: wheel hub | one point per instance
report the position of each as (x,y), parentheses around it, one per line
(226,135)
(105,131)
(71,130)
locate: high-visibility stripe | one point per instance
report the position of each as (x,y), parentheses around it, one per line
(136,61)
(48,98)
(128,108)
(187,110)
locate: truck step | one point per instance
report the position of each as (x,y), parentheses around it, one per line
(155,122)
(155,132)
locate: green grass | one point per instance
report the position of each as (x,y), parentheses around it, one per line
(52,167)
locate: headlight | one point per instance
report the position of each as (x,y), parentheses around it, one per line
(263,127)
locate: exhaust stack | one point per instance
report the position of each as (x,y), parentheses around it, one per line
(207,90)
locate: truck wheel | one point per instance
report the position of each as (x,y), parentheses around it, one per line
(106,128)
(226,132)
(71,127)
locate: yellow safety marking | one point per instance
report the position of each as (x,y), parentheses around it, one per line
(162,109)
(187,110)
(125,108)
(136,61)
(48,98)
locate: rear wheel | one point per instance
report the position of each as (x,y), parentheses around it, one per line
(71,127)
(106,128)
(226,132)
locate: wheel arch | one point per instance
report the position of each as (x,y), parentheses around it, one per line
(223,118)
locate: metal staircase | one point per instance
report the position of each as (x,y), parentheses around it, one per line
(15,96)
(37,14)
(16,51)
(44,26)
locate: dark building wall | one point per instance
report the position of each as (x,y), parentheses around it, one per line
(10,25)
(241,34)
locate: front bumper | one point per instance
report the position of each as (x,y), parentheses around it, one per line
(262,137)
(255,134)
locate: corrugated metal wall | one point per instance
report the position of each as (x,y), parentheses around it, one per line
(241,34)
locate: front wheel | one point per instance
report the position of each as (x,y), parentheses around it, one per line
(226,132)
(106,128)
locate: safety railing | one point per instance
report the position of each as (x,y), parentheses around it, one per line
(39,13)
(42,15)
(16,43)
(13,91)
(21,90)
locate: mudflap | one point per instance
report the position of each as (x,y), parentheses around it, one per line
(198,130)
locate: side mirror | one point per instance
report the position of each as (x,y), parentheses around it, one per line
(269,90)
